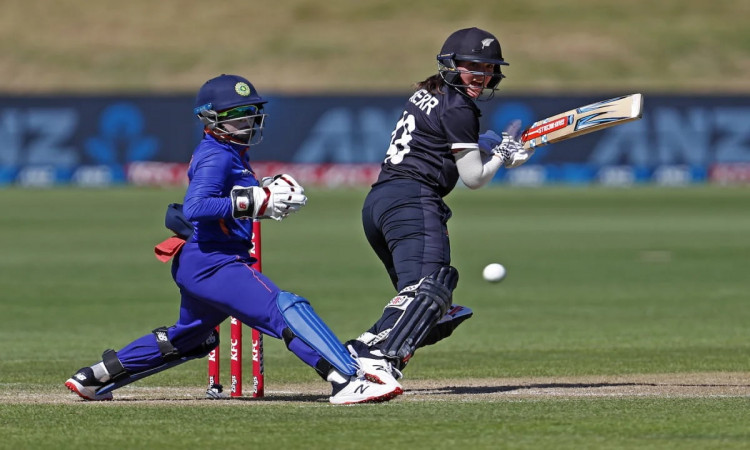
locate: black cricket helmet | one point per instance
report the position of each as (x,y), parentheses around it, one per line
(472,45)
(231,110)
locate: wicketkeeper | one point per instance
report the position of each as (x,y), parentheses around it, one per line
(212,264)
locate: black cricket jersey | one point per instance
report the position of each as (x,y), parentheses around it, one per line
(430,127)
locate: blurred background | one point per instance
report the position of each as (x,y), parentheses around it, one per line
(101,93)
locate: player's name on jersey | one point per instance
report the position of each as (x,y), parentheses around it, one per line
(424,101)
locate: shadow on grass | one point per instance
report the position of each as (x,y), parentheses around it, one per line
(499,389)
(465,390)
(273,398)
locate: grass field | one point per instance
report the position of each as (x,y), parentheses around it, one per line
(623,323)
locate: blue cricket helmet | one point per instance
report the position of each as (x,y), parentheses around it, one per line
(226,92)
(231,110)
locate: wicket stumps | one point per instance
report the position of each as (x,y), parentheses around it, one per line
(235,337)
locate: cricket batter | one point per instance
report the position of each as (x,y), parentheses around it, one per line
(212,264)
(436,141)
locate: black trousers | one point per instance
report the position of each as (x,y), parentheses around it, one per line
(406,225)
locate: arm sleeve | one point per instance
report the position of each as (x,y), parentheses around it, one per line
(205,197)
(476,167)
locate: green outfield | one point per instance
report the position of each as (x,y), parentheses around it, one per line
(622,323)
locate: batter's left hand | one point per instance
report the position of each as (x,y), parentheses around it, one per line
(505,146)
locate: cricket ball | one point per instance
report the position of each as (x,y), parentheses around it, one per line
(494,272)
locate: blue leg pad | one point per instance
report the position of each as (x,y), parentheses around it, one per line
(308,326)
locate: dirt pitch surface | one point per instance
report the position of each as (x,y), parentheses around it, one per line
(690,385)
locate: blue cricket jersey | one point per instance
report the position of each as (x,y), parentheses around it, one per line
(214,169)
(430,128)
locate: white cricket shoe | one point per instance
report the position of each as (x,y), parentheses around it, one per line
(85,384)
(358,389)
(378,369)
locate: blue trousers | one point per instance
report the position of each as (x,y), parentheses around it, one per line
(216,281)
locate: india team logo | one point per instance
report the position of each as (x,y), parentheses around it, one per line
(242,88)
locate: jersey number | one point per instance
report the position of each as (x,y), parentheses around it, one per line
(400,139)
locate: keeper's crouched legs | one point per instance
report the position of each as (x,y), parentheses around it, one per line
(145,356)
(171,356)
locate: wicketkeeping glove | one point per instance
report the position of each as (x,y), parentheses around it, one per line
(276,200)
(506,147)
(281,180)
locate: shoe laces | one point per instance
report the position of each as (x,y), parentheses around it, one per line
(360,373)
(397,374)
(389,365)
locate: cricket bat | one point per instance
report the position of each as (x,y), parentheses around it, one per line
(582,120)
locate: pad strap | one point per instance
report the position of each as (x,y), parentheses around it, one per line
(168,351)
(287,335)
(113,365)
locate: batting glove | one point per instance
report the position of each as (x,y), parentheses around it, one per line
(505,146)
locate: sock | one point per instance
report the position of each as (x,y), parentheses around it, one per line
(336,377)
(100,372)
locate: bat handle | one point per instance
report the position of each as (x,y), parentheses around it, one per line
(513,128)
